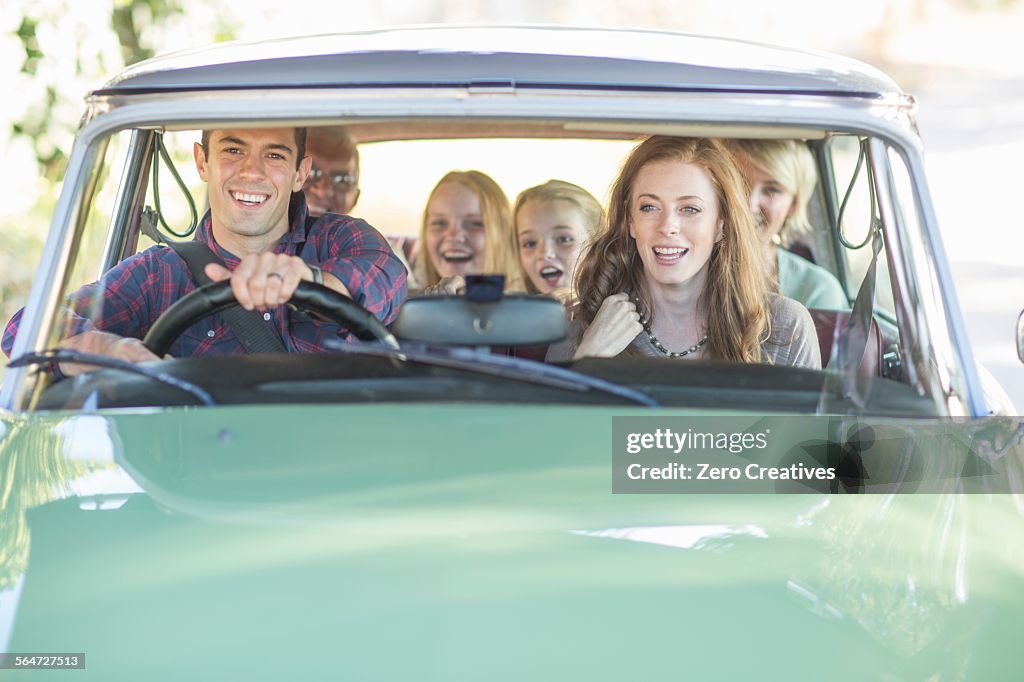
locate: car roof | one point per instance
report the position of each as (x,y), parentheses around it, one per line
(509,58)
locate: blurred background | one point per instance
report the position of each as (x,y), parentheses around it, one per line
(962,59)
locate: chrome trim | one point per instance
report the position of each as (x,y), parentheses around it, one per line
(51,275)
(876,117)
(1020,336)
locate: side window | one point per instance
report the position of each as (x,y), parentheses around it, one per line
(925,287)
(855,247)
(173,203)
(98,206)
(99,202)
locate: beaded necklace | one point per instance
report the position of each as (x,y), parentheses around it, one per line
(672,354)
(661,348)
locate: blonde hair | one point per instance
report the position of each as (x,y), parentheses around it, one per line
(497,219)
(551,191)
(790,163)
(734,301)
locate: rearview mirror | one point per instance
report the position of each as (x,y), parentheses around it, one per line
(514,320)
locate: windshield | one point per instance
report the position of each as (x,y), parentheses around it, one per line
(540,212)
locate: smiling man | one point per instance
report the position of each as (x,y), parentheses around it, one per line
(259,229)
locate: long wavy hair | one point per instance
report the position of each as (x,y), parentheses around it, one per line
(734,301)
(550,192)
(499,259)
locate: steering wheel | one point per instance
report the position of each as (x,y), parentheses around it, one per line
(313,298)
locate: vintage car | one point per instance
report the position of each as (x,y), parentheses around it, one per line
(436,505)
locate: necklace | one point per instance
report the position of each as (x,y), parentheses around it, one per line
(661,348)
(672,354)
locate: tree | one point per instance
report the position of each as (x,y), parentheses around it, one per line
(66,49)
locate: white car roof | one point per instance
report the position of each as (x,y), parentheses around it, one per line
(520,57)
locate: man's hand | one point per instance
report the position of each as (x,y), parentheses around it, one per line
(267,280)
(614,327)
(104,343)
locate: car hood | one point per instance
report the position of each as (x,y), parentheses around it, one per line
(467,541)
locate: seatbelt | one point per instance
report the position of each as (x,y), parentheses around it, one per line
(853,340)
(248,325)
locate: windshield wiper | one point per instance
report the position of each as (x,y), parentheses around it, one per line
(53,356)
(488,364)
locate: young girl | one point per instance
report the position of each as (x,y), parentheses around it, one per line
(553,224)
(467,230)
(677,272)
(781,177)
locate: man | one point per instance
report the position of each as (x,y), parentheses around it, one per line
(333,182)
(257,226)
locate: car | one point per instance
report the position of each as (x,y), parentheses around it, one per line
(438,505)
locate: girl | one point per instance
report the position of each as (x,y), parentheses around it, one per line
(466,230)
(554,222)
(781,177)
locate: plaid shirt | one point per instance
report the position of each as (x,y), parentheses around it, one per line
(132,295)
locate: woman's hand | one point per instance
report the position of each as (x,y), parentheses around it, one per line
(451,286)
(616,324)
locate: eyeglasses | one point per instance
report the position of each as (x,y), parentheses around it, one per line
(339,181)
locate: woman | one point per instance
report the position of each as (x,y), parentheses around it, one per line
(676,273)
(553,223)
(781,176)
(467,230)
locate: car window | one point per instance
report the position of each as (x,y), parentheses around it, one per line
(409,170)
(396,178)
(174,202)
(925,285)
(98,211)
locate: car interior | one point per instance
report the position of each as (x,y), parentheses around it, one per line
(147,190)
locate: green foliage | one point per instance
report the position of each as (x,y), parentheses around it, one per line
(51,158)
(129,15)
(69,49)
(27,33)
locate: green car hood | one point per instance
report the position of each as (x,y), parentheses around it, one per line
(472,542)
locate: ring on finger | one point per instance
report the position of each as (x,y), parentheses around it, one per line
(275,274)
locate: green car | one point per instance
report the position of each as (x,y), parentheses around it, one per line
(434,501)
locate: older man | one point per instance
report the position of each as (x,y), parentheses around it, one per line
(333,182)
(258,228)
